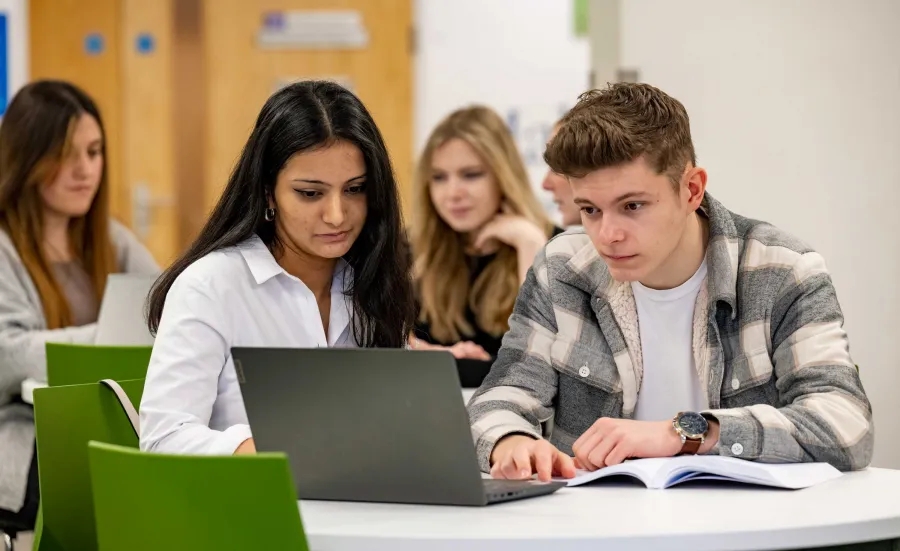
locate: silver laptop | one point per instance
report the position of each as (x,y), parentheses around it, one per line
(121,319)
(377,425)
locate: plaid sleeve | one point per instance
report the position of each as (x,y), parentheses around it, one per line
(517,394)
(825,414)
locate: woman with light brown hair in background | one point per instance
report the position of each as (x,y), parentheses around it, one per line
(57,247)
(477,226)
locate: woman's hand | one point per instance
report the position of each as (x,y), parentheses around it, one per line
(516,231)
(468,350)
(513,230)
(461,350)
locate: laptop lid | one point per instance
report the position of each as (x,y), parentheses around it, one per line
(121,319)
(385,425)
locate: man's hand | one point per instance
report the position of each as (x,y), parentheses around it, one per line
(612,441)
(518,457)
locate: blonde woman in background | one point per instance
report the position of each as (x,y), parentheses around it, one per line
(477,227)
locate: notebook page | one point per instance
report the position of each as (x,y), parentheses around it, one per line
(643,469)
(792,476)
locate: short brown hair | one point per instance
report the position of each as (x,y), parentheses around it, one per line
(617,125)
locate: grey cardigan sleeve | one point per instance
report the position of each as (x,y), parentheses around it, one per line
(23,332)
(133,257)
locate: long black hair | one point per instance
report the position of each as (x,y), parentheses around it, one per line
(302,117)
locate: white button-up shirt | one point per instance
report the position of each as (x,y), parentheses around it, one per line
(240,296)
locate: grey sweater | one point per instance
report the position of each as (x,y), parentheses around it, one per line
(23,335)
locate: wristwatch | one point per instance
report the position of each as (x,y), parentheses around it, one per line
(692,428)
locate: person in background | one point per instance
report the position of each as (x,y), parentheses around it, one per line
(558,185)
(305,249)
(58,245)
(477,227)
(669,325)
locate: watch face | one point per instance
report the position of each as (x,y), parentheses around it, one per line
(693,424)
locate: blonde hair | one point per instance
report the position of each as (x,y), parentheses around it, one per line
(441,268)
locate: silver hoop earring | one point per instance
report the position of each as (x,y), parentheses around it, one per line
(269,214)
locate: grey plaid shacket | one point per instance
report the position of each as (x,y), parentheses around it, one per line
(768,343)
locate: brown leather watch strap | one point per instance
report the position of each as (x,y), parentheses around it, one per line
(690,447)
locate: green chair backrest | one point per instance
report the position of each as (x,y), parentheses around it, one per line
(66,419)
(148,501)
(77,364)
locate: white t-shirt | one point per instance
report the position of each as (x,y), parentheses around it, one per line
(670,383)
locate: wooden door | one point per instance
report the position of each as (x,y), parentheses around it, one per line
(58,41)
(149,125)
(121,53)
(180,83)
(241,75)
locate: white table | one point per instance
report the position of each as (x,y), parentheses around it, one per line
(858,507)
(28,388)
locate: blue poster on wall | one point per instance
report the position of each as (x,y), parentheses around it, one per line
(4,64)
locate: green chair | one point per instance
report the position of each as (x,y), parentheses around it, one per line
(147,501)
(66,419)
(76,364)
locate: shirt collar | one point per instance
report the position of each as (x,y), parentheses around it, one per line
(722,253)
(264,267)
(259,260)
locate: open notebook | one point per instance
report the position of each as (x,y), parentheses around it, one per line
(666,472)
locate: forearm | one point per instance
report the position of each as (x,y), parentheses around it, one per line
(24,353)
(822,413)
(517,395)
(823,427)
(170,432)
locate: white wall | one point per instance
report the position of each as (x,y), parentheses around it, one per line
(795,112)
(518,56)
(17,48)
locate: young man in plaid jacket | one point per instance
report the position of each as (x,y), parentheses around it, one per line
(669,324)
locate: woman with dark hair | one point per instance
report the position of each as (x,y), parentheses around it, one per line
(57,247)
(304,249)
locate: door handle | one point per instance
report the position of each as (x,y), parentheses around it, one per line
(143,203)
